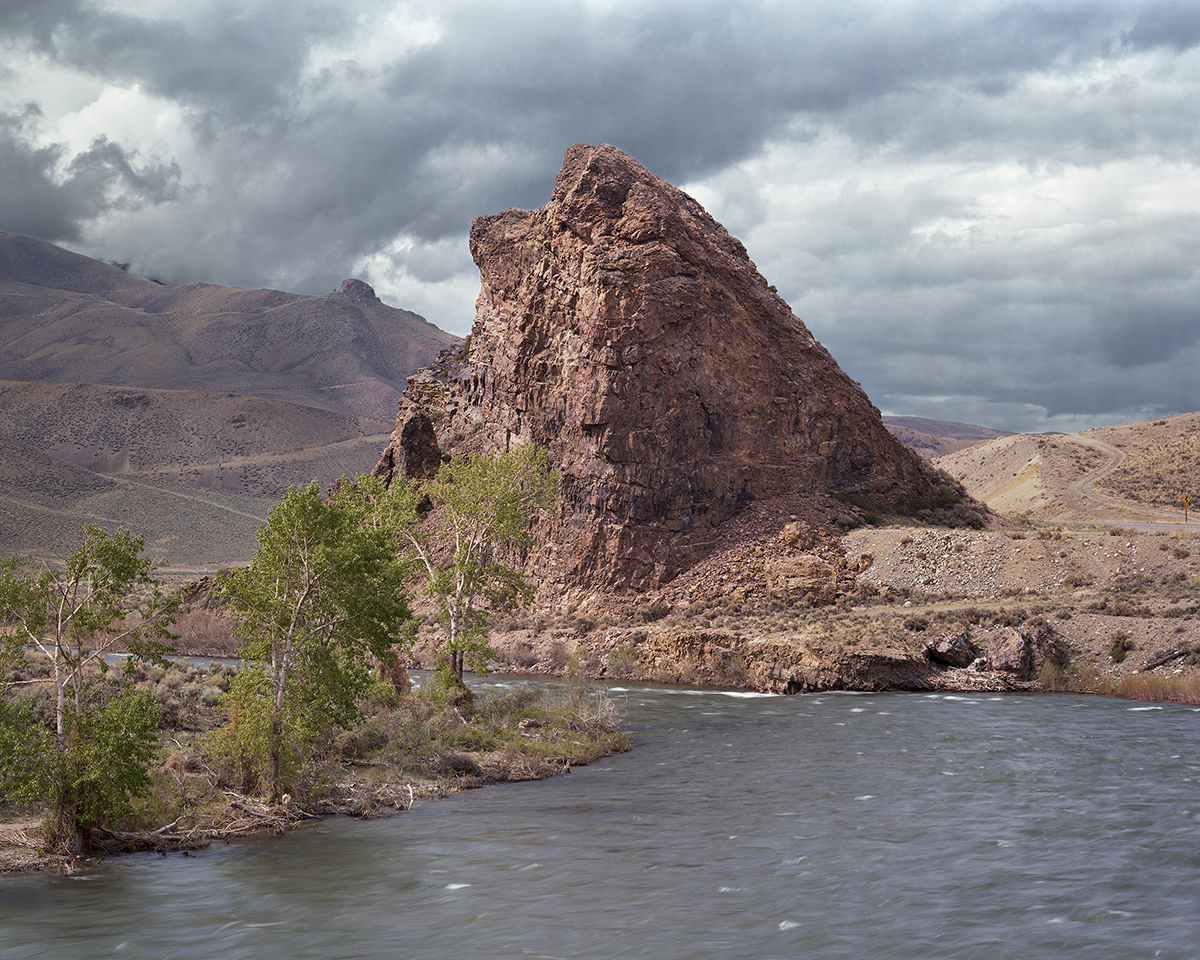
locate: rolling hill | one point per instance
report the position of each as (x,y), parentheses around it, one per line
(936,438)
(182,412)
(194,472)
(1131,473)
(70,319)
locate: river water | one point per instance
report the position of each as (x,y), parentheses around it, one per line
(748,826)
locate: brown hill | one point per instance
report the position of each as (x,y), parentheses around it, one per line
(1161,460)
(44,504)
(936,438)
(1133,473)
(209,440)
(195,472)
(626,330)
(68,318)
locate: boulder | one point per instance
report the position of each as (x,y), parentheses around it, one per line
(952,650)
(1007,650)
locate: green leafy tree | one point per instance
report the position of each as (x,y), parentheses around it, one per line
(319,604)
(92,781)
(96,756)
(482,506)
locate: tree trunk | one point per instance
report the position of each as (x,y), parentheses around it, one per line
(60,706)
(62,831)
(395,674)
(273,757)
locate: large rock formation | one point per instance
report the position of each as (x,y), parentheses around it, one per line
(621,326)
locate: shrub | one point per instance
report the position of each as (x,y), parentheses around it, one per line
(623,659)
(558,654)
(653,613)
(1050,676)
(860,500)
(383,693)
(1121,645)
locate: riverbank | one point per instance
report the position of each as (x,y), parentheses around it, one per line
(1113,612)
(950,645)
(406,749)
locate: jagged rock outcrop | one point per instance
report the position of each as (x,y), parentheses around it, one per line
(358,290)
(625,329)
(953,649)
(414,452)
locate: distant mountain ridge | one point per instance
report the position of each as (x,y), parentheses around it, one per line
(71,319)
(182,412)
(936,438)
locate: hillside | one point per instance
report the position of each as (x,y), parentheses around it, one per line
(1133,473)
(195,472)
(71,319)
(216,441)
(182,412)
(1162,460)
(936,438)
(44,504)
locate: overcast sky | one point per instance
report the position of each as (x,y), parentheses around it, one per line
(988,212)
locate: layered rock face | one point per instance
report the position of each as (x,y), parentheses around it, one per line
(623,328)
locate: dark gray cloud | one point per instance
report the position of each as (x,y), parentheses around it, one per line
(885,164)
(49,197)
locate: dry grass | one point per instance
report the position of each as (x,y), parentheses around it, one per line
(1181,687)
(1156,688)
(205,633)
(1159,473)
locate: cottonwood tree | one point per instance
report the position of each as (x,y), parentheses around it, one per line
(481,508)
(96,757)
(320,602)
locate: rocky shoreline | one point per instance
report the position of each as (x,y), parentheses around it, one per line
(915,609)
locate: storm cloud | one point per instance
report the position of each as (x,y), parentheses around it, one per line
(987,213)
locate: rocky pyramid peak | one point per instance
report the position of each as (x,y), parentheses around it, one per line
(623,328)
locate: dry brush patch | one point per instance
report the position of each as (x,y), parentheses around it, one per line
(1160,473)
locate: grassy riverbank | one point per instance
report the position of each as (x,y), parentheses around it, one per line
(408,746)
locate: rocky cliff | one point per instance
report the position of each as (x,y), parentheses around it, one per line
(622,327)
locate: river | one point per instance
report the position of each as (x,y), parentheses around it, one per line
(741,825)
